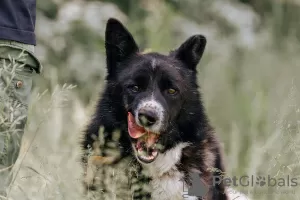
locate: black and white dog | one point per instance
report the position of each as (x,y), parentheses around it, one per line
(152,101)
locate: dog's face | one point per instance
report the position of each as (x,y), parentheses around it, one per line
(154,87)
(153,91)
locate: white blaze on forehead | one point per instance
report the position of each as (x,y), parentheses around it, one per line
(153,63)
(153,105)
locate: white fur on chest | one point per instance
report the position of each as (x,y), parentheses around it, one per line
(168,186)
(167,182)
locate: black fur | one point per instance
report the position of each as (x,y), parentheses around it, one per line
(185,118)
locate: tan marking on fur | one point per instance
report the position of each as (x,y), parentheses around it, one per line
(208,155)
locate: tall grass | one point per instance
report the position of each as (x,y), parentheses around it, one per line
(252,98)
(253,103)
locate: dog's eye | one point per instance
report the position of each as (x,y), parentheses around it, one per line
(172,91)
(134,88)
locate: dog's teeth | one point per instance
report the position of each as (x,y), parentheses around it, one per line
(154,153)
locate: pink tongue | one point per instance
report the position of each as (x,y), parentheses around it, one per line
(134,130)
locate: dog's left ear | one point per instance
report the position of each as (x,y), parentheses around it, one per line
(119,44)
(191,51)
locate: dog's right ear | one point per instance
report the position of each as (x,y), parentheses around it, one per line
(119,44)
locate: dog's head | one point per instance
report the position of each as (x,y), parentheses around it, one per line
(155,88)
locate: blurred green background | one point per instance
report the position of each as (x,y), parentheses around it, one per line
(249,78)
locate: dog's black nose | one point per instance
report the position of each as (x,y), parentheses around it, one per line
(147,118)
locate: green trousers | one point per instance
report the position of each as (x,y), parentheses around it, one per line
(18,65)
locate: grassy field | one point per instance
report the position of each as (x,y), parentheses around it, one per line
(252,98)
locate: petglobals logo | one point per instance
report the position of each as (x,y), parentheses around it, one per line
(256,181)
(198,188)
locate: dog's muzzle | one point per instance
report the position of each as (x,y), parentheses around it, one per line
(150,115)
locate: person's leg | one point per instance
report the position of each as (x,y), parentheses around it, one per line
(17,67)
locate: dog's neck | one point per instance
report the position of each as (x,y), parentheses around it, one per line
(166,163)
(167,180)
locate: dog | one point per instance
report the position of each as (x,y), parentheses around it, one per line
(150,125)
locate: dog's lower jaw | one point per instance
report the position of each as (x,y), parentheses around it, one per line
(165,162)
